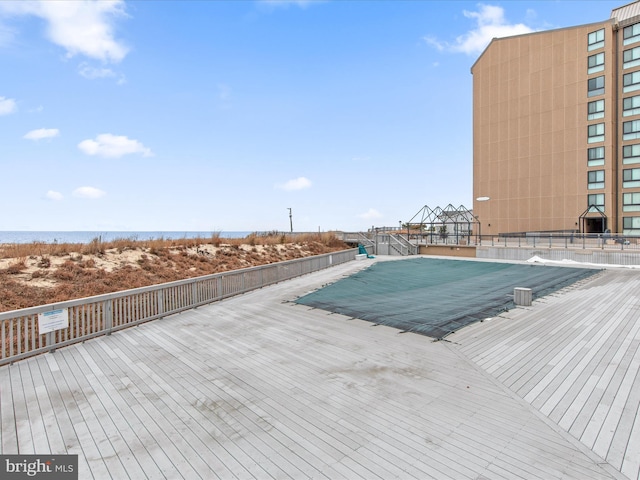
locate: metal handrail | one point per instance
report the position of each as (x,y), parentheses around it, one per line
(103,314)
(601,241)
(411,248)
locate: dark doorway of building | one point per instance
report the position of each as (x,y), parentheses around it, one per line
(595,225)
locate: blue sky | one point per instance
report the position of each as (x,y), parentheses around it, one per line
(222,115)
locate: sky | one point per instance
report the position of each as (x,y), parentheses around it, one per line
(229,116)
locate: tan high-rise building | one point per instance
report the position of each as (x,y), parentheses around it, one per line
(556,129)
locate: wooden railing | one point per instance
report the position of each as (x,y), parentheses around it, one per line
(90,317)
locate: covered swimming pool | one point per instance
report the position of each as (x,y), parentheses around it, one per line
(436,297)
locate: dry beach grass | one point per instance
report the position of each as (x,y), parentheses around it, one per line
(40,273)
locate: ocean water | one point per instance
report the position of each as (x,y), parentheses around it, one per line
(87,236)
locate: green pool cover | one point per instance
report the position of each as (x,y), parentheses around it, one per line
(435,297)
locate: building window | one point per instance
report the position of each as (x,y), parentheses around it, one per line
(596,63)
(596,200)
(631,154)
(631,202)
(630,225)
(596,133)
(596,109)
(631,106)
(596,39)
(631,82)
(631,58)
(596,156)
(631,130)
(631,34)
(631,178)
(595,179)
(596,86)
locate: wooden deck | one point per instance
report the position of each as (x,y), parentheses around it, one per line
(258,387)
(573,356)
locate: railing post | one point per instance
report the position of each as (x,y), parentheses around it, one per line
(194,294)
(160,297)
(108,315)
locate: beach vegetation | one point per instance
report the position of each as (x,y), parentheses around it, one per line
(40,273)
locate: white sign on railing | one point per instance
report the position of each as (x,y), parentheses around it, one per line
(53,320)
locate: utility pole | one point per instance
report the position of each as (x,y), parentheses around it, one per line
(290,219)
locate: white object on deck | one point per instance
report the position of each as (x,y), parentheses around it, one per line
(522,296)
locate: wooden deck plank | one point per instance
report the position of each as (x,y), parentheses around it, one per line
(115,417)
(624,433)
(88,419)
(556,335)
(587,400)
(631,461)
(210,436)
(173,426)
(594,427)
(215,402)
(254,381)
(568,407)
(8,422)
(359,392)
(21,405)
(228,426)
(50,436)
(60,398)
(609,426)
(572,371)
(582,374)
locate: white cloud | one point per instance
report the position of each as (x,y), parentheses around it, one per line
(53,195)
(88,192)
(299,183)
(41,133)
(113,146)
(80,27)
(92,73)
(370,214)
(7,106)
(490,24)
